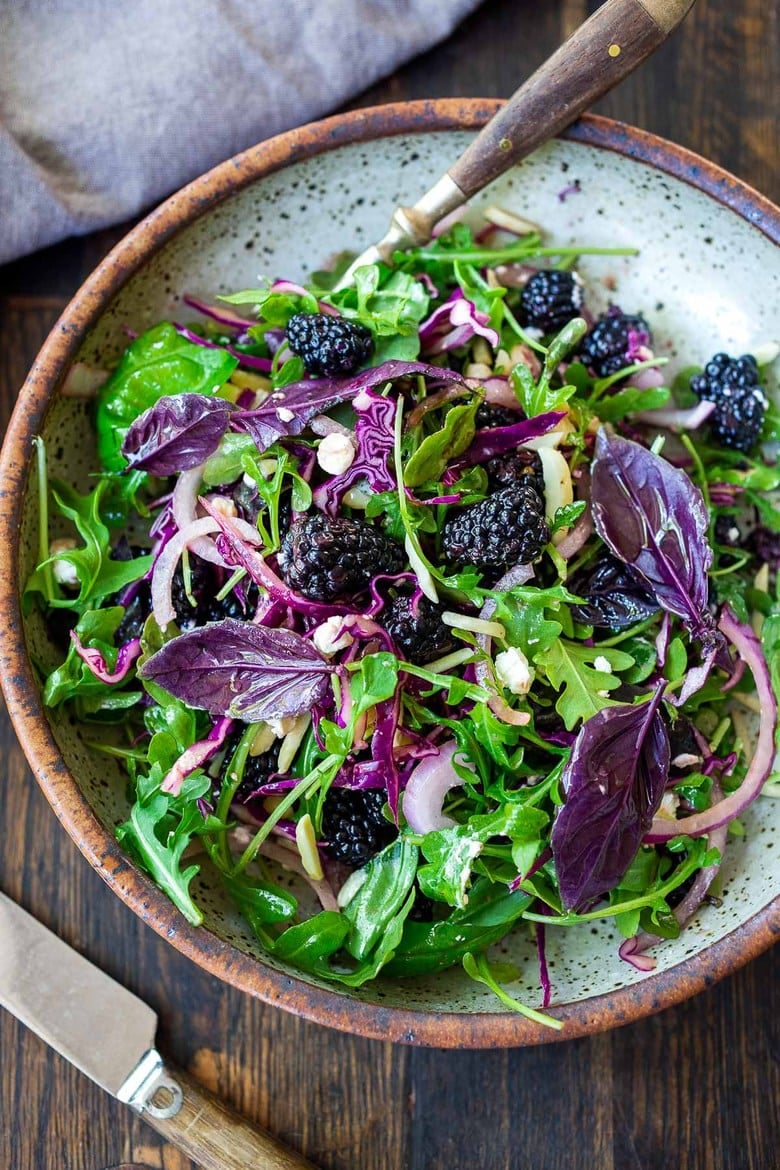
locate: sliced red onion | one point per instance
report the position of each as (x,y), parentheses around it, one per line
(83,381)
(428,784)
(574,540)
(125,658)
(482,672)
(322,425)
(749,649)
(264,365)
(499,391)
(674,420)
(646,379)
(662,641)
(217,313)
(196,756)
(184,506)
(632,949)
(240,544)
(291,288)
(164,569)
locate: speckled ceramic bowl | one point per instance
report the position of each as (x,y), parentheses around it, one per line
(282,208)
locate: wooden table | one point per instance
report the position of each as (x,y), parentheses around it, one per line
(695,1088)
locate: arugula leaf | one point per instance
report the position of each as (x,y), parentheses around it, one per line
(436,450)
(524,612)
(570,670)
(74,679)
(451,853)
(566,515)
(99,575)
(391,304)
(158,832)
(158,363)
(384,952)
(275,308)
(478,969)
(541,397)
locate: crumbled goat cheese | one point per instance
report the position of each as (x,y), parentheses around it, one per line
(336,453)
(331,637)
(64,572)
(513,670)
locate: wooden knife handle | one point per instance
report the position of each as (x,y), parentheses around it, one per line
(604,50)
(211,1134)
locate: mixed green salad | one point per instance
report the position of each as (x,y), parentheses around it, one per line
(433,591)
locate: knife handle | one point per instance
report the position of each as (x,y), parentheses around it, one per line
(210,1133)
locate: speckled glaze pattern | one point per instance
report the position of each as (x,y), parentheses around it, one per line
(282,208)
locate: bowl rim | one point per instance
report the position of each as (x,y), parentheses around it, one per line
(330,1007)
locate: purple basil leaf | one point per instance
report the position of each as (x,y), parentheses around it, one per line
(498,440)
(613,783)
(654,519)
(176,434)
(243,671)
(288,411)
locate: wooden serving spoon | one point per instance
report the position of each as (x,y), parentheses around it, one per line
(604,50)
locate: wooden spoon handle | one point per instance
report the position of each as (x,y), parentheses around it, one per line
(215,1137)
(604,50)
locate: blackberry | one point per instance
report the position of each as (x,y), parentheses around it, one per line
(488,417)
(615,596)
(508,528)
(551,299)
(324,558)
(329,346)
(202,589)
(609,345)
(135,615)
(516,466)
(231,605)
(766,546)
(727,532)
(740,403)
(417,629)
(684,750)
(250,504)
(257,769)
(354,826)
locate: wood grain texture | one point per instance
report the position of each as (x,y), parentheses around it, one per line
(695,1088)
(217,1137)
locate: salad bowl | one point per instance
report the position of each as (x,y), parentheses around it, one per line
(282,209)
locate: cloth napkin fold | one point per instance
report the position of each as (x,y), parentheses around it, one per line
(108,105)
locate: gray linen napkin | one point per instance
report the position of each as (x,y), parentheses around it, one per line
(108,105)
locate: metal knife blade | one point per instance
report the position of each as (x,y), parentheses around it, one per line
(90,1019)
(108,1033)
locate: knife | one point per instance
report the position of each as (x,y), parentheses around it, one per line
(108,1033)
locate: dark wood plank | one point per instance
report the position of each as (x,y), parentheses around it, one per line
(695,1087)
